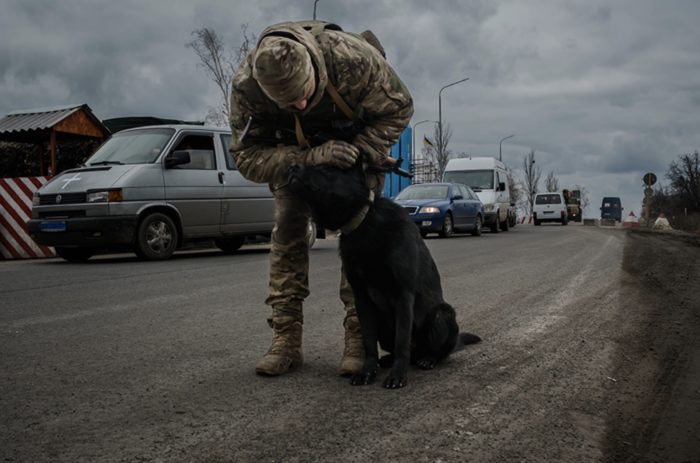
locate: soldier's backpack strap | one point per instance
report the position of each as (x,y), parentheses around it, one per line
(318,27)
(299,132)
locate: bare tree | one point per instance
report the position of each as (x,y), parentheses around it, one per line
(684,175)
(532,179)
(436,151)
(516,188)
(220,64)
(551,182)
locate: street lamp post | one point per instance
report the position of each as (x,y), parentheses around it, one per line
(413,143)
(440,110)
(315,2)
(500,145)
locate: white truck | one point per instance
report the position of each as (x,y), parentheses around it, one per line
(488,178)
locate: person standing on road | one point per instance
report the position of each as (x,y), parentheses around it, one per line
(311,94)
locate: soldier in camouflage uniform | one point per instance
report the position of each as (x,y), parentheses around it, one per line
(283,112)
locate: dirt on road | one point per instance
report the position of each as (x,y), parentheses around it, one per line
(590,353)
(654,412)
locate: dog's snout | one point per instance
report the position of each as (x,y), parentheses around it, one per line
(294,169)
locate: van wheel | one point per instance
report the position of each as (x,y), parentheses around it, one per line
(230,245)
(477,226)
(423,234)
(537,222)
(504,224)
(447,226)
(157,237)
(494,225)
(75,254)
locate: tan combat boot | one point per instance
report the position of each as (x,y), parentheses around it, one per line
(285,351)
(354,353)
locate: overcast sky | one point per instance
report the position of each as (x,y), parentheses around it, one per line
(603,91)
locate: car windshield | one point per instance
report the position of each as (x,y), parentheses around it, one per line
(477,180)
(132,147)
(548,199)
(423,192)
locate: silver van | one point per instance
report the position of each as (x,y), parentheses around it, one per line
(150,189)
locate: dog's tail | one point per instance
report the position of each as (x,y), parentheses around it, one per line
(465,338)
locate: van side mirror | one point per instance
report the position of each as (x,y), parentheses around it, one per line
(177,158)
(502,186)
(457,197)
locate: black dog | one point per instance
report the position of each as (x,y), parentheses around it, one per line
(393,276)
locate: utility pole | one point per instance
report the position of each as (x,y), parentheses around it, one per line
(500,143)
(440,145)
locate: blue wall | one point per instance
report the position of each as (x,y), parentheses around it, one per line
(402,149)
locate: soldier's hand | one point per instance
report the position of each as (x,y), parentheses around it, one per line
(334,152)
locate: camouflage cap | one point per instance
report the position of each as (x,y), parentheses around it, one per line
(282,67)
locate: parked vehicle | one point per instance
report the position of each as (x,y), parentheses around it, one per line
(573,204)
(488,178)
(151,189)
(442,208)
(550,207)
(611,209)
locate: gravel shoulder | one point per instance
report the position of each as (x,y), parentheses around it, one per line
(655,403)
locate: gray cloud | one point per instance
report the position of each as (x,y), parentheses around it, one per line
(600,90)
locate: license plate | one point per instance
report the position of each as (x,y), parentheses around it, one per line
(53,226)
(426,223)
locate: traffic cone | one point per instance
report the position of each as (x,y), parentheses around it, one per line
(631,221)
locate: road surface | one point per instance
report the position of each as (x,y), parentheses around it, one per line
(590,353)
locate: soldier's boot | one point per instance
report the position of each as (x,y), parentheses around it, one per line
(285,352)
(354,352)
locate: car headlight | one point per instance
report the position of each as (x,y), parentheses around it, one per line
(488,207)
(105,196)
(36,200)
(429,210)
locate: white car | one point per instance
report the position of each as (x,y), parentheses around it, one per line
(550,207)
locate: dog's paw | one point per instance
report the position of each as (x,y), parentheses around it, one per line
(396,379)
(426,363)
(364,378)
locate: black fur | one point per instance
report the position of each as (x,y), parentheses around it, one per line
(394,278)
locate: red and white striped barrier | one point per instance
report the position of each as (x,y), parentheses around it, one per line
(15,209)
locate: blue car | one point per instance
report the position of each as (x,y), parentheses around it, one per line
(442,208)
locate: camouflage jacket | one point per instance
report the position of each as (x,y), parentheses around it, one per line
(364,80)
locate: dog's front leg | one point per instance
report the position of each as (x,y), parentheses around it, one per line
(367,314)
(398,375)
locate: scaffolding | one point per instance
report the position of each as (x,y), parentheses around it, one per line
(424,171)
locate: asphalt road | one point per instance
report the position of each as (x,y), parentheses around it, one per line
(122,360)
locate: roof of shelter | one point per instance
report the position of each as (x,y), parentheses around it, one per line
(26,125)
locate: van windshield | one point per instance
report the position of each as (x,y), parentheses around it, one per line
(132,147)
(477,180)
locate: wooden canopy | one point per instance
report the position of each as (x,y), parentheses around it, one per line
(49,124)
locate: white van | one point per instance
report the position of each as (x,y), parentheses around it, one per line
(149,190)
(488,178)
(550,207)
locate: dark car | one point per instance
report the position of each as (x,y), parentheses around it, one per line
(611,209)
(442,208)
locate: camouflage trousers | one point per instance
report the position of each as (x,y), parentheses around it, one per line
(289,255)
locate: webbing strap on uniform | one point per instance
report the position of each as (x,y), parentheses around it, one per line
(301,139)
(338,100)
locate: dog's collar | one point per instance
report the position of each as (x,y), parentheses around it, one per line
(355,222)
